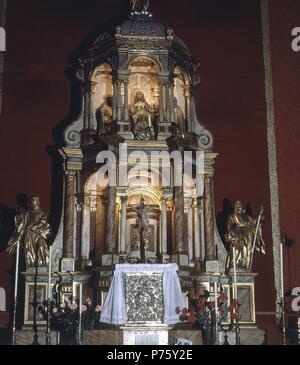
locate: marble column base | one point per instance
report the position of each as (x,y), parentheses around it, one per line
(212,266)
(110,259)
(181,259)
(67,264)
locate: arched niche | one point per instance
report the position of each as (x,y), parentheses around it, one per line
(95,184)
(2,300)
(102,87)
(181,83)
(152,198)
(143,76)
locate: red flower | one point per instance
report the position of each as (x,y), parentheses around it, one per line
(201,300)
(192,319)
(235,302)
(184,311)
(234,316)
(222,298)
(211,305)
(201,309)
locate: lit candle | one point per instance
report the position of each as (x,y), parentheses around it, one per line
(234,274)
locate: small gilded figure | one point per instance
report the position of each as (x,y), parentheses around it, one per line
(32,230)
(242,231)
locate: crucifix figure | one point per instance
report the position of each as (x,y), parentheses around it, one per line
(139,5)
(143,224)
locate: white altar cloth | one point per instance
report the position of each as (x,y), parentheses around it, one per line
(114,307)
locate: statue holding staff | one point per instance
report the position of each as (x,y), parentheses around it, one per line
(245,234)
(31,232)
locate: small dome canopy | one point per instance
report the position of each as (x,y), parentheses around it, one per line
(142,26)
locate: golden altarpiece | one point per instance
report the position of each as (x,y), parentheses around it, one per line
(139,84)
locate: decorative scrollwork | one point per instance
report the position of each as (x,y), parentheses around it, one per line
(72,138)
(205,140)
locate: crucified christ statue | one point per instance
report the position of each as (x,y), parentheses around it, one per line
(143,223)
(139,5)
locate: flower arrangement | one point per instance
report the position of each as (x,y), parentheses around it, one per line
(201,313)
(65,316)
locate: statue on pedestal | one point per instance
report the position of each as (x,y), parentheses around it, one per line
(142,115)
(242,231)
(179,118)
(32,230)
(104,117)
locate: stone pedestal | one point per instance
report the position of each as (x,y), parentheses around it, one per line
(143,335)
(182,260)
(110,259)
(24,337)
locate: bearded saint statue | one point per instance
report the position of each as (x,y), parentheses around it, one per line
(31,232)
(240,234)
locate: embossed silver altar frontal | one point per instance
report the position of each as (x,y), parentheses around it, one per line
(144,298)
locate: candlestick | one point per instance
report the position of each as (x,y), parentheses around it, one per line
(16,293)
(48,336)
(216,311)
(234,274)
(282,294)
(80,313)
(50,273)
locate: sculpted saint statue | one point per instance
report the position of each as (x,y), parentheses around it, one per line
(139,5)
(32,230)
(104,116)
(142,115)
(240,234)
(179,118)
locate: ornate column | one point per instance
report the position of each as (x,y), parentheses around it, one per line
(164,234)
(161,102)
(93,209)
(69,214)
(111,220)
(123,225)
(72,163)
(167,102)
(126,100)
(119,101)
(179,213)
(115,97)
(197,232)
(171,97)
(210,254)
(187,94)
(100,226)
(179,256)
(85,231)
(190,231)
